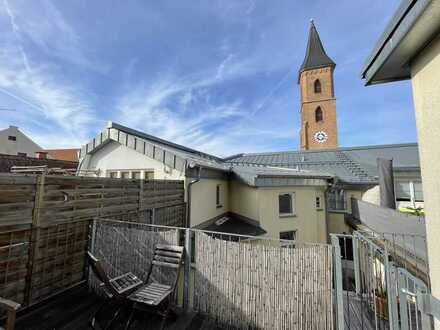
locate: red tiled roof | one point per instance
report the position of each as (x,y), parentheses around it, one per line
(63,154)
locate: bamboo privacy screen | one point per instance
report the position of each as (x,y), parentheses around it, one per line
(44,225)
(262,286)
(129,247)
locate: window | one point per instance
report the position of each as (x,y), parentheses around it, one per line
(286,204)
(403,191)
(136,175)
(336,200)
(21,154)
(125,175)
(113,174)
(318,203)
(218,201)
(317,86)
(12,138)
(408,191)
(318,115)
(418,191)
(288,235)
(149,175)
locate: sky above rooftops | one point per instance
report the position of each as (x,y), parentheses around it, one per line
(219,76)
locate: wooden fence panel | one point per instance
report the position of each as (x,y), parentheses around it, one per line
(44,225)
(243,285)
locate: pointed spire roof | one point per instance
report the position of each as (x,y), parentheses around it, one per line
(316,56)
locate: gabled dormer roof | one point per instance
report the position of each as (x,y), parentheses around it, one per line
(315,57)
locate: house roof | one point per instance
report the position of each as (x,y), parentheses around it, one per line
(413,26)
(63,154)
(274,176)
(355,165)
(235,225)
(315,57)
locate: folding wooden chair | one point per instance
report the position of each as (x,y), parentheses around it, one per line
(116,289)
(11,309)
(154,295)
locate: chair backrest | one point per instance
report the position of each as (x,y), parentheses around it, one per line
(168,256)
(98,269)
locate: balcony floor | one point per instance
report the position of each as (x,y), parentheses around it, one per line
(73,309)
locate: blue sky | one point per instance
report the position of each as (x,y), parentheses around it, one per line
(218,75)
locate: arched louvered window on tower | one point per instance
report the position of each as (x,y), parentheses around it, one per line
(317,86)
(318,114)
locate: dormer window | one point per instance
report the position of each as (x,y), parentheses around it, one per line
(317,86)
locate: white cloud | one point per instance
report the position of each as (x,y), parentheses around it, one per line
(182,111)
(52,108)
(48,29)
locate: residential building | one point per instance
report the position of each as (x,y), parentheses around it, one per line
(15,142)
(303,195)
(409,48)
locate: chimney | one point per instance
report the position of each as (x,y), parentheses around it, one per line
(41,154)
(386,183)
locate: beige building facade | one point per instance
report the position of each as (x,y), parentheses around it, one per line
(410,49)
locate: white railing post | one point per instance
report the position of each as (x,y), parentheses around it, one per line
(357,276)
(338,282)
(187,269)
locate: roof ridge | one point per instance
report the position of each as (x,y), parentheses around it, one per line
(365,147)
(161,141)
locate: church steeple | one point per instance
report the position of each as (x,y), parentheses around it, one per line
(315,57)
(318,102)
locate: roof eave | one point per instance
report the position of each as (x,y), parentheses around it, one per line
(389,61)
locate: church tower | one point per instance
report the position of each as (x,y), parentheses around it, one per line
(318,102)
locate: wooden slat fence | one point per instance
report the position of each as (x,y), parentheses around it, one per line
(243,285)
(45,225)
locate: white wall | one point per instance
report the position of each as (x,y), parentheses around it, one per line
(23,144)
(308,221)
(116,157)
(203,200)
(425,72)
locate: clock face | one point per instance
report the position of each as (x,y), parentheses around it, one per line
(321,136)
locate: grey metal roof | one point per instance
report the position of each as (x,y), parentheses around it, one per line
(315,57)
(234,225)
(413,26)
(274,176)
(356,165)
(352,165)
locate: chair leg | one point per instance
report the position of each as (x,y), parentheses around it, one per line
(113,318)
(165,315)
(127,325)
(93,320)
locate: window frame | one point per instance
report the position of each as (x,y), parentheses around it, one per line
(333,204)
(318,202)
(411,193)
(132,174)
(218,194)
(292,212)
(292,242)
(319,115)
(143,173)
(317,86)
